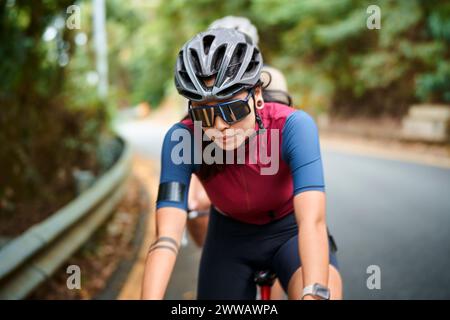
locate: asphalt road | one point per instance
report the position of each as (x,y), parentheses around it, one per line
(389,214)
(392,214)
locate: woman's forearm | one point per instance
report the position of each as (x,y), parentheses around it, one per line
(158,269)
(310,208)
(313,246)
(170,223)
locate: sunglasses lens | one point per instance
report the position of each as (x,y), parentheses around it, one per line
(205,115)
(235,111)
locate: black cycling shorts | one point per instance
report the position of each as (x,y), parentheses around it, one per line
(234,251)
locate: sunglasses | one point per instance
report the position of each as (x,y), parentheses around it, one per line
(230,111)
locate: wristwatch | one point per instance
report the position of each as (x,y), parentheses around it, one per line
(317,290)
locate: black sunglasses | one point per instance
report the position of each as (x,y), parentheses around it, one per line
(230,111)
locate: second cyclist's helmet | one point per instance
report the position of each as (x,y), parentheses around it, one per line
(228,56)
(241,24)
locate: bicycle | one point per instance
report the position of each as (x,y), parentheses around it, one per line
(264,279)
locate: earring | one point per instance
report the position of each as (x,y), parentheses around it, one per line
(259,104)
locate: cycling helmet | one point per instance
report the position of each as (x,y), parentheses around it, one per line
(225,55)
(241,24)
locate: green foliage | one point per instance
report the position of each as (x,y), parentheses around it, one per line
(50,119)
(435,85)
(331,59)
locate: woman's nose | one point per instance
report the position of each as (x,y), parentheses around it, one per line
(220,124)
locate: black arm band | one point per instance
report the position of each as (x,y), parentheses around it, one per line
(171,191)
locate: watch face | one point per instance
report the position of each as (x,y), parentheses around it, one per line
(321,291)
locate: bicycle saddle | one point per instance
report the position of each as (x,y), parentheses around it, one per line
(265,277)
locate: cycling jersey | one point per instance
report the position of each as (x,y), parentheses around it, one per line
(240,190)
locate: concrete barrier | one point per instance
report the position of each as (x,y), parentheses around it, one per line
(427,123)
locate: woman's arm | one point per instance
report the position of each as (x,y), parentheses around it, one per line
(170,223)
(310,211)
(301,150)
(198,199)
(171,208)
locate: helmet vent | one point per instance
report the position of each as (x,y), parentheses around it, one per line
(236,60)
(207,41)
(196,62)
(253,64)
(182,73)
(218,58)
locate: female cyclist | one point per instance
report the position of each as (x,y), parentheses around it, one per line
(275,90)
(257,221)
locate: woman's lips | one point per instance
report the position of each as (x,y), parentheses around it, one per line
(225,138)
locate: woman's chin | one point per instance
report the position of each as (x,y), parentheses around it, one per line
(227,146)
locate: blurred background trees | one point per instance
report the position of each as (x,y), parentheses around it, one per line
(52,121)
(332,61)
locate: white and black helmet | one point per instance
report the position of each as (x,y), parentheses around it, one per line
(227,55)
(241,24)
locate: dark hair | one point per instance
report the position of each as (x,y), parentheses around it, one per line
(208,171)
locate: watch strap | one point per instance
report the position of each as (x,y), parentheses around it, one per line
(312,290)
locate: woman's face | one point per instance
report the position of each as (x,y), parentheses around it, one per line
(230,137)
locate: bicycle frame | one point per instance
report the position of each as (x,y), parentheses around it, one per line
(265,279)
(265,292)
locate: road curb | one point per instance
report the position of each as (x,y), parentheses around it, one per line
(119,277)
